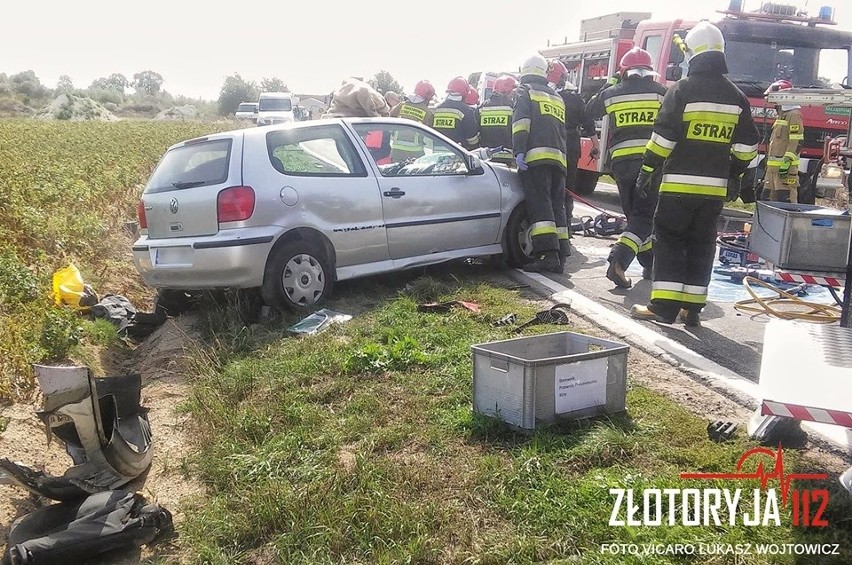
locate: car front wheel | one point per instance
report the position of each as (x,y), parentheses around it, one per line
(298,276)
(518,246)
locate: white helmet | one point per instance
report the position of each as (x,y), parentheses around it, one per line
(535,65)
(704,38)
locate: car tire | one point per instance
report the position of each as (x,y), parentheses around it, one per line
(517,246)
(298,276)
(586,182)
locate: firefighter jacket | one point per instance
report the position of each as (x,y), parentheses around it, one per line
(787,134)
(538,124)
(632,107)
(576,118)
(406,143)
(704,133)
(457,120)
(495,122)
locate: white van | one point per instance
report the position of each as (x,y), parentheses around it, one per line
(275,108)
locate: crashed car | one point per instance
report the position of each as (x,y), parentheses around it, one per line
(294,208)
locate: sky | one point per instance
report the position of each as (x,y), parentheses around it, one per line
(194,45)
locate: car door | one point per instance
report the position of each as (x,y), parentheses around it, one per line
(431,202)
(314,178)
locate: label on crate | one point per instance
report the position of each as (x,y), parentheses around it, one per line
(581,385)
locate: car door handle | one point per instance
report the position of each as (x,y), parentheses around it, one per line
(394,193)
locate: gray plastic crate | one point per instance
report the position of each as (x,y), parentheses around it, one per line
(533,380)
(800,237)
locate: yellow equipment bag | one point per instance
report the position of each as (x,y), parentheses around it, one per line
(69,288)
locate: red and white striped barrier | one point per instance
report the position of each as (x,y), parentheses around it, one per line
(786,410)
(809,279)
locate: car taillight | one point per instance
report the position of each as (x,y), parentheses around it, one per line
(235,204)
(140,213)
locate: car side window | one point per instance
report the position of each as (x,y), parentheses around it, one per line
(410,151)
(323,151)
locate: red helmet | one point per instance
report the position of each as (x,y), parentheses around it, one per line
(424,89)
(458,86)
(556,72)
(636,58)
(471,97)
(505,84)
(779,85)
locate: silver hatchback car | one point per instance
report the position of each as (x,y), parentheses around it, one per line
(293,208)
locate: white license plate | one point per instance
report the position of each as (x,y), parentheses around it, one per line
(163,256)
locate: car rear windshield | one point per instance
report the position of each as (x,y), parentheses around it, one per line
(246,107)
(275,105)
(190,165)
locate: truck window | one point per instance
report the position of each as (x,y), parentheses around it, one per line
(653,44)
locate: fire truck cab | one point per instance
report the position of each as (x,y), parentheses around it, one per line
(774,42)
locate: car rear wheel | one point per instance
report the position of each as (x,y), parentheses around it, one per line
(298,276)
(518,246)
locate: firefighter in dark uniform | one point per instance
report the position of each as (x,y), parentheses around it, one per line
(408,145)
(703,140)
(454,118)
(576,119)
(631,107)
(495,115)
(538,142)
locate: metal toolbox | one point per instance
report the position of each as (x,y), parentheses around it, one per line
(800,237)
(534,380)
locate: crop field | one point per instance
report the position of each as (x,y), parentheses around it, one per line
(66,192)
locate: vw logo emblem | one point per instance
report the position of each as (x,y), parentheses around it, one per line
(173,206)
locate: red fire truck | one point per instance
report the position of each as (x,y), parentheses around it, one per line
(771,43)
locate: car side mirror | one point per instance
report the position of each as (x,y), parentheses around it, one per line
(674,73)
(255,110)
(474,164)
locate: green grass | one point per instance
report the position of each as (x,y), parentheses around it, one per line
(358,445)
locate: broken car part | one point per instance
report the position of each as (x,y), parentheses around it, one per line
(105,431)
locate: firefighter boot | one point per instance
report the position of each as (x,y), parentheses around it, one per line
(690,318)
(547,261)
(615,272)
(645,313)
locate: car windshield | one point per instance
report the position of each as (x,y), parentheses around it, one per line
(759,64)
(191,165)
(275,105)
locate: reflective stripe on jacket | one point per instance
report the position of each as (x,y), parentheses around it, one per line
(631,107)
(704,133)
(538,124)
(457,120)
(495,122)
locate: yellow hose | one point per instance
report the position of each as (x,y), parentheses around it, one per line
(794,307)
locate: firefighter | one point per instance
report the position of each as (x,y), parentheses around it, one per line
(575,119)
(703,139)
(631,107)
(782,158)
(454,118)
(406,145)
(538,142)
(495,115)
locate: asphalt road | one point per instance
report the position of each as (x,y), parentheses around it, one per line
(727,337)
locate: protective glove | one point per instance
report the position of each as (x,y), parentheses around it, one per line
(595,153)
(643,181)
(519,160)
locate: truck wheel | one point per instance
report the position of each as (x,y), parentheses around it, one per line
(298,276)
(586,182)
(517,245)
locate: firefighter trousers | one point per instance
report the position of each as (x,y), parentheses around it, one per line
(685,247)
(544,192)
(782,188)
(639,209)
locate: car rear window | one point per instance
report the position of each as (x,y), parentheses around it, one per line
(191,165)
(275,105)
(246,107)
(314,151)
